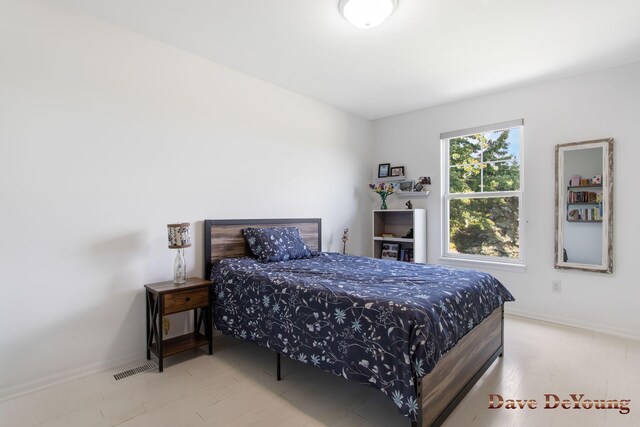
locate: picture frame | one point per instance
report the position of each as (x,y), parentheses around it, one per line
(383,170)
(390,251)
(397,171)
(421,183)
(406,186)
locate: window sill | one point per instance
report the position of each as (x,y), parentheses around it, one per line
(491,265)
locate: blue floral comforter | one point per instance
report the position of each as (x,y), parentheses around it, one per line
(377,322)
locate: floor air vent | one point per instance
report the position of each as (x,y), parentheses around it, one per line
(135,371)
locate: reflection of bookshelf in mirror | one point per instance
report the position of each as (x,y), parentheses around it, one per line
(393,226)
(584,204)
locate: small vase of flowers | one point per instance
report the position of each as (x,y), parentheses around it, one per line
(383,190)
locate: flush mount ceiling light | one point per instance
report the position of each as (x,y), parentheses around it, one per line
(367,13)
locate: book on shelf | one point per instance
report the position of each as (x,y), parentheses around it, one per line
(584,197)
(406,255)
(585,214)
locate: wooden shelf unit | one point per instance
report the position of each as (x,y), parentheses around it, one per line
(393,239)
(388,179)
(181,343)
(569,187)
(569,203)
(398,222)
(410,194)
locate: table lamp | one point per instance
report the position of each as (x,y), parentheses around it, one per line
(179,239)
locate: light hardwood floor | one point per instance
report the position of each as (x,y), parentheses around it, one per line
(236,387)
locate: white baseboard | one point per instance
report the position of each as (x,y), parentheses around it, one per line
(621,332)
(39,384)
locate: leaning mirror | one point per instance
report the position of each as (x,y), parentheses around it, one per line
(584,206)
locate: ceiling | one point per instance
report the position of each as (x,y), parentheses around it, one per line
(429,52)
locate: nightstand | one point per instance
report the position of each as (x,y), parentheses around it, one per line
(167,298)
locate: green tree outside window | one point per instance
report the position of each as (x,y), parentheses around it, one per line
(485,163)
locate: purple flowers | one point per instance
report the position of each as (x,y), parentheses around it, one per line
(383,189)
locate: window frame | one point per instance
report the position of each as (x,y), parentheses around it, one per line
(445,254)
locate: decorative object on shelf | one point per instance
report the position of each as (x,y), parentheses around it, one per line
(366,13)
(390,251)
(406,255)
(383,170)
(397,171)
(345,237)
(399,223)
(574,180)
(596,180)
(406,185)
(573,215)
(383,190)
(179,239)
(409,204)
(421,183)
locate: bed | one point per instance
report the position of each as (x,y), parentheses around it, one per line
(386,324)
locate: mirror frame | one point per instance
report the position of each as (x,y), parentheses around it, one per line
(607,193)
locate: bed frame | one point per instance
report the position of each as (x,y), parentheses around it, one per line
(440,391)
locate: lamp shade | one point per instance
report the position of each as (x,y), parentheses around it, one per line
(179,235)
(366,13)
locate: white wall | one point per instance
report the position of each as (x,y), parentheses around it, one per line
(105,137)
(592,106)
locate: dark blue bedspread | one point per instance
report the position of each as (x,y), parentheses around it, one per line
(372,321)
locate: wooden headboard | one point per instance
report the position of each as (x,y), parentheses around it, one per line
(223,237)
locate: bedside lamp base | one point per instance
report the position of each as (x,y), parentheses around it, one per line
(179,268)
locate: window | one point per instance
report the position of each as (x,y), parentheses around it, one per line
(482,194)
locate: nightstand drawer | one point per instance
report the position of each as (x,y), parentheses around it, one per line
(186,300)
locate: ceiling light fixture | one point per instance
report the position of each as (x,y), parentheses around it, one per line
(366,13)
